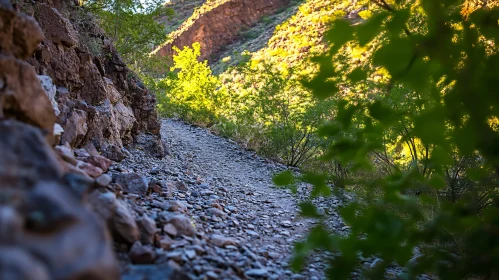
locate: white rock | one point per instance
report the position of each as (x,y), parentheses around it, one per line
(51,91)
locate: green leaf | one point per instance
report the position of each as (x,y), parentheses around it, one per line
(440,157)
(430,126)
(395,56)
(284,178)
(308,210)
(366,32)
(397,23)
(357,75)
(340,33)
(381,112)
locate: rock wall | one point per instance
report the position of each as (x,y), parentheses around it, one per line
(221,25)
(46,231)
(99,103)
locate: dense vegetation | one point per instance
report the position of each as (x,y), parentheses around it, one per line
(392,101)
(132,27)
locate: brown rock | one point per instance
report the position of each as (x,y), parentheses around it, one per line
(147,228)
(57,28)
(67,228)
(113,153)
(140,254)
(165,242)
(22,96)
(99,161)
(222,241)
(123,223)
(181,186)
(177,206)
(19,34)
(91,170)
(183,225)
(103,204)
(65,152)
(220,26)
(132,183)
(170,229)
(75,128)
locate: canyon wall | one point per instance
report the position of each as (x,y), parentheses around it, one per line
(99,103)
(220,26)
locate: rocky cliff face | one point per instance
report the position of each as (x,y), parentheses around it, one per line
(66,99)
(98,102)
(220,26)
(45,230)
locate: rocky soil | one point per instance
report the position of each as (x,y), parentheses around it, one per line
(214,210)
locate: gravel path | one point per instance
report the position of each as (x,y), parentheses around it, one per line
(245,226)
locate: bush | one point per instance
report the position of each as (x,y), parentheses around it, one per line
(190,91)
(415,119)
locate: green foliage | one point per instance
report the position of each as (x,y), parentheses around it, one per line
(190,91)
(415,119)
(131,25)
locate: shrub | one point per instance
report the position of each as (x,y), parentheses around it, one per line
(417,114)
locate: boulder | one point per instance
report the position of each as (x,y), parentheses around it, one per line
(56,27)
(20,35)
(123,223)
(147,228)
(181,223)
(99,161)
(142,254)
(22,95)
(132,183)
(26,156)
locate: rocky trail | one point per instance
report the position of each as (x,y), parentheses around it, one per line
(235,224)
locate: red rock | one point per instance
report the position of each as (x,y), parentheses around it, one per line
(89,169)
(140,254)
(221,26)
(99,161)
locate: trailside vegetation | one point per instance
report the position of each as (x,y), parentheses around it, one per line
(392,101)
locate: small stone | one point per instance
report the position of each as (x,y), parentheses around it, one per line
(181,186)
(183,225)
(165,242)
(257,272)
(252,233)
(176,255)
(212,275)
(216,212)
(176,205)
(191,254)
(221,241)
(170,229)
(140,254)
(89,169)
(103,180)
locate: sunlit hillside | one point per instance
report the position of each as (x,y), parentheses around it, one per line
(183,10)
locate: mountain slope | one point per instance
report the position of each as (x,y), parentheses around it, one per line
(217,24)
